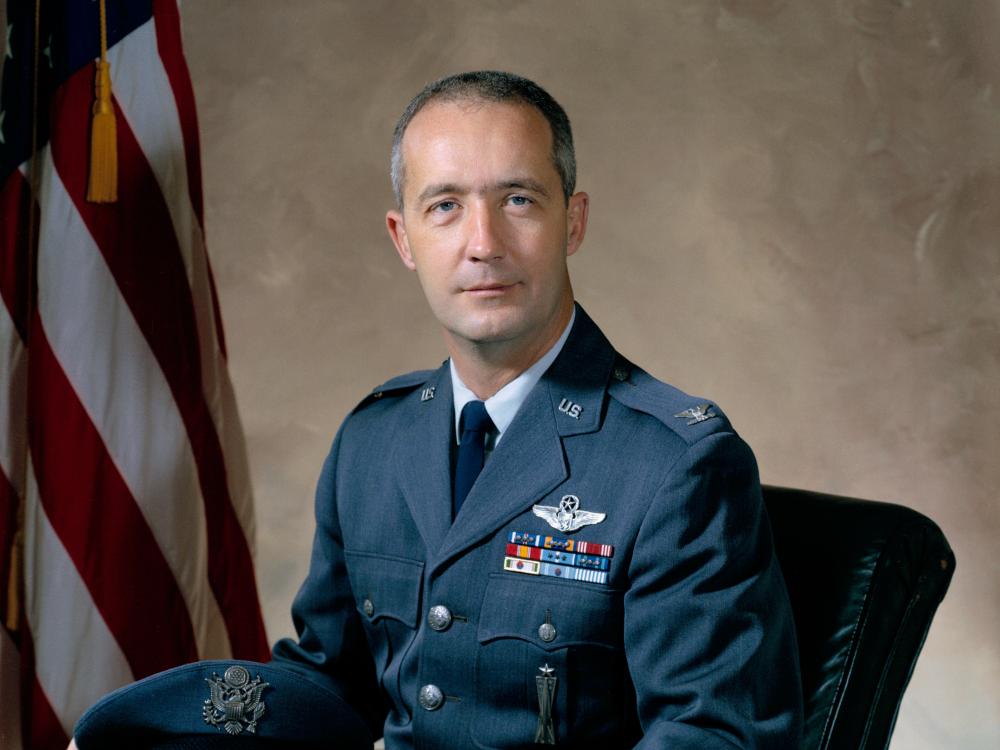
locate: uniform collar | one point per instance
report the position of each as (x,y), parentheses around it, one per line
(567,401)
(503,405)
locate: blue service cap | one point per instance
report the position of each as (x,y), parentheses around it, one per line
(223,705)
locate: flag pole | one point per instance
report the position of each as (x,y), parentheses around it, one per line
(15,582)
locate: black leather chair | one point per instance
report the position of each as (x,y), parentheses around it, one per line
(865,579)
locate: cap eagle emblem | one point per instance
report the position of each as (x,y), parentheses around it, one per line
(235,701)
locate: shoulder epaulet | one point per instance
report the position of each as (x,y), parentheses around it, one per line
(692,418)
(396,386)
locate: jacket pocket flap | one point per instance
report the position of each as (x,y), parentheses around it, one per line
(571,613)
(385,586)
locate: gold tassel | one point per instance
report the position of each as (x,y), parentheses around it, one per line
(102,186)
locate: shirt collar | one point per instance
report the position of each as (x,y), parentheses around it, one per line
(502,406)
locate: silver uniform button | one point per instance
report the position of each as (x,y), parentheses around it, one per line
(430,697)
(439,618)
(547,632)
(368,607)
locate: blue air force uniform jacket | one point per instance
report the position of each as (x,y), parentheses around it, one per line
(437,642)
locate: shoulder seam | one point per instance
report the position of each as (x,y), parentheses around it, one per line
(399,385)
(670,406)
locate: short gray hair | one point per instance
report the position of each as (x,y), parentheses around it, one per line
(490,86)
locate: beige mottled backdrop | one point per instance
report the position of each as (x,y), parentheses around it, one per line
(795,210)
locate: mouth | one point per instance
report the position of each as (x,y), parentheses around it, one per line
(489,289)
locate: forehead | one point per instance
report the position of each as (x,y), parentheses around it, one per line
(475,139)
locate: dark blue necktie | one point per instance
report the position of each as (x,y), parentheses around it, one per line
(471,451)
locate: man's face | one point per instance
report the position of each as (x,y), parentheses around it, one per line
(485,224)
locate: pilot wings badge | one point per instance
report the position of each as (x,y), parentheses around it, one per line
(697,414)
(235,703)
(567,517)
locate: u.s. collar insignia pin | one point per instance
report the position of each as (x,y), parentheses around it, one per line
(570,408)
(427,394)
(697,414)
(567,516)
(235,702)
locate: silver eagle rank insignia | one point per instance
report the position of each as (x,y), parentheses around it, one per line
(697,414)
(567,516)
(235,703)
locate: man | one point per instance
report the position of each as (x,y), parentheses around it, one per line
(537,543)
(687,641)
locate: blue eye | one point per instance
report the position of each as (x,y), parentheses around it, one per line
(445,206)
(520,200)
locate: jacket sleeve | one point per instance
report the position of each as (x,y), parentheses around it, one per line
(709,633)
(332,648)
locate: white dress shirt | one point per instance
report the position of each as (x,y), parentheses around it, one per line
(502,406)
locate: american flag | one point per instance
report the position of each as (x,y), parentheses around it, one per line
(126,517)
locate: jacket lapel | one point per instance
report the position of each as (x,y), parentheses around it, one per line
(422,459)
(526,464)
(529,461)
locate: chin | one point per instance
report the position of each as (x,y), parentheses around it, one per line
(489,328)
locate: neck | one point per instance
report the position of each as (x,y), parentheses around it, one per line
(486,367)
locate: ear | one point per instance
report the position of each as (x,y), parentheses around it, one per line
(576,221)
(397,231)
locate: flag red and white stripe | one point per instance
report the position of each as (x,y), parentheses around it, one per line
(119,436)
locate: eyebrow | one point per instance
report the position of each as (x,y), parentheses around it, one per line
(523,183)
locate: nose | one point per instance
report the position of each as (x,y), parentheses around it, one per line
(485,241)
